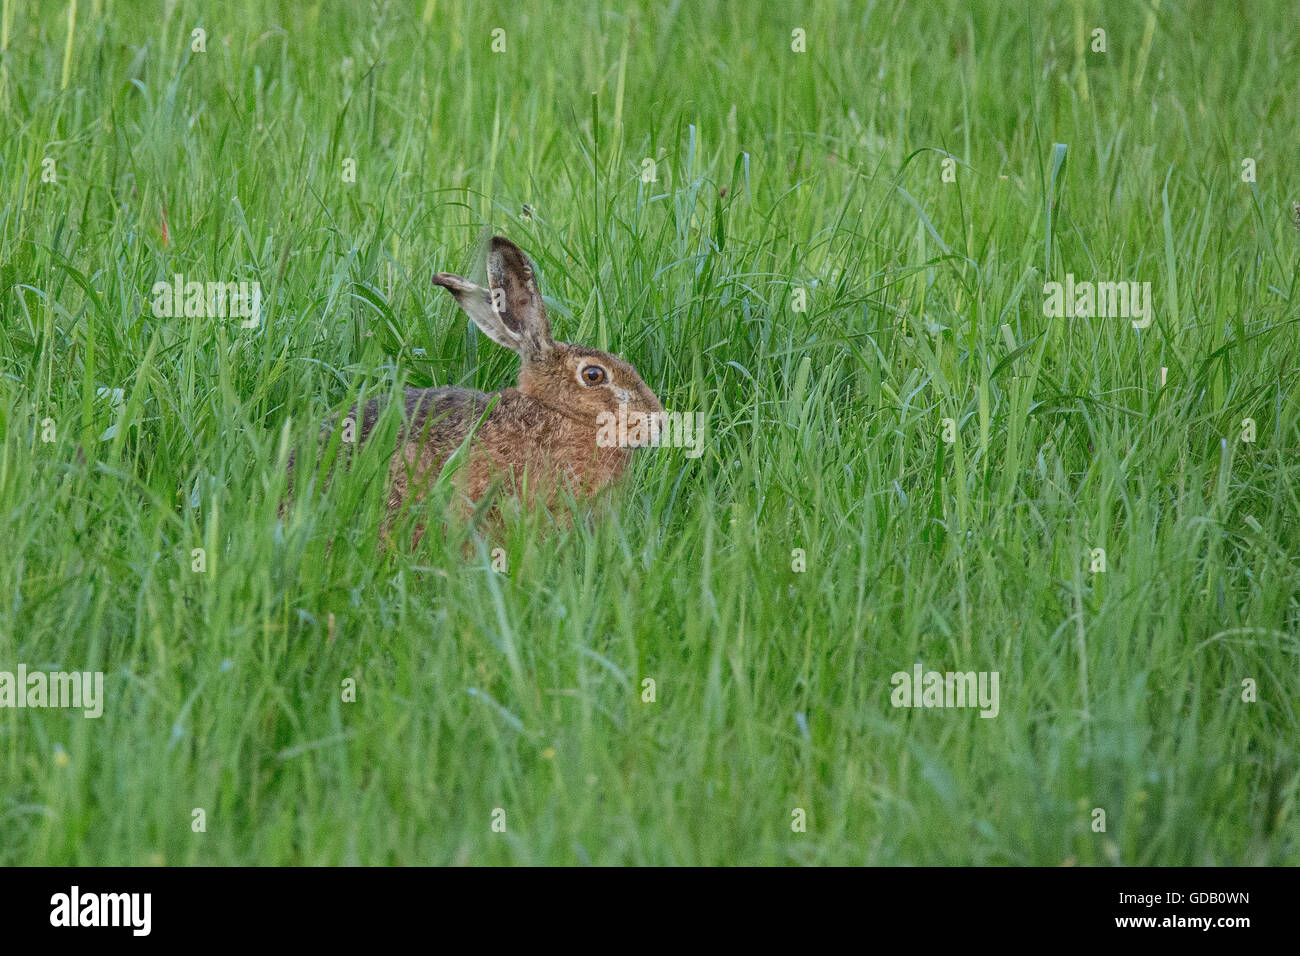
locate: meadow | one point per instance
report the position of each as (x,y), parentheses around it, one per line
(827,228)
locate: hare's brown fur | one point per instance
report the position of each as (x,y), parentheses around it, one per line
(520,437)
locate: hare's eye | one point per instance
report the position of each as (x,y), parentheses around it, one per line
(593,375)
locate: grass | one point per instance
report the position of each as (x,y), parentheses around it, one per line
(800,271)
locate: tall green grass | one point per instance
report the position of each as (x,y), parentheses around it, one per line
(778,176)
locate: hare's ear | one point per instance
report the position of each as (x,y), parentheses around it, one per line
(513,283)
(477,303)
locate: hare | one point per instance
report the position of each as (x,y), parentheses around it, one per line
(534,440)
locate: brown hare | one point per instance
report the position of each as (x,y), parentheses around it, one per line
(529,442)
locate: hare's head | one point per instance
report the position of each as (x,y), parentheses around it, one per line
(578,382)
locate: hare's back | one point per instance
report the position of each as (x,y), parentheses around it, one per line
(437,414)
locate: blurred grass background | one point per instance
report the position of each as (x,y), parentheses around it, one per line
(778,176)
